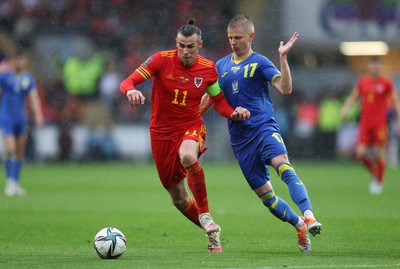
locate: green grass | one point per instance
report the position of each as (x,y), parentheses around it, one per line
(54,225)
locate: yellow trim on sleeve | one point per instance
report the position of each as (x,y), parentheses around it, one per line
(275,77)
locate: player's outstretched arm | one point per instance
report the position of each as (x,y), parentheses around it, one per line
(350,100)
(396,102)
(284,83)
(36,107)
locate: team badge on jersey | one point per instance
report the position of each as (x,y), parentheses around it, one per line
(198,81)
(380,88)
(235,87)
(235,69)
(25,83)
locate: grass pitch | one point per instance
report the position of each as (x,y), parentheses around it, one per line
(54,225)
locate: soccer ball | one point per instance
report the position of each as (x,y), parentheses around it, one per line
(109,243)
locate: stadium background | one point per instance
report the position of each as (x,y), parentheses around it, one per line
(80,50)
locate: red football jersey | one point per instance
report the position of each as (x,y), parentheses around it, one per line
(176,91)
(375,94)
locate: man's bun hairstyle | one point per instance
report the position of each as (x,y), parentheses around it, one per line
(189,29)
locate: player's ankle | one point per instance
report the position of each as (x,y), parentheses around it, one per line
(309,214)
(301,224)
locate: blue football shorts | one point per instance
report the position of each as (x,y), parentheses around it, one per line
(256,153)
(12,127)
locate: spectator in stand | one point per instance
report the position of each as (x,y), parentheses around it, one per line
(81,75)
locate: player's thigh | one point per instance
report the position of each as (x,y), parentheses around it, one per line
(192,145)
(379,136)
(253,168)
(365,135)
(273,147)
(170,169)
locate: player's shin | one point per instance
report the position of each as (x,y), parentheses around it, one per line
(297,190)
(369,164)
(197,185)
(380,170)
(9,165)
(278,207)
(191,211)
(17,169)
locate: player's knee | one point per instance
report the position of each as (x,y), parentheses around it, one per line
(360,152)
(9,155)
(286,172)
(188,158)
(283,167)
(269,199)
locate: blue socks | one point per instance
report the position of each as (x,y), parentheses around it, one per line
(13,168)
(278,207)
(297,190)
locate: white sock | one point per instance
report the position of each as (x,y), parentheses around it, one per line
(300,224)
(309,214)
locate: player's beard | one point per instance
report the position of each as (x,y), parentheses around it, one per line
(187,61)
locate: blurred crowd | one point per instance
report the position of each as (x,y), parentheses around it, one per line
(80,50)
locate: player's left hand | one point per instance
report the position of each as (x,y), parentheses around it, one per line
(285,48)
(240,114)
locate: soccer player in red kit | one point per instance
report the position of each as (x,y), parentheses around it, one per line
(375,90)
(177,131)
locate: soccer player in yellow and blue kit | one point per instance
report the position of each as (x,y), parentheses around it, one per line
(16,85)
(244,76)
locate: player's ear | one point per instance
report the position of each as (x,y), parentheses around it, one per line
(252,36)
(200,43)
(176,42)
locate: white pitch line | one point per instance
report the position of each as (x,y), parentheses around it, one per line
(329,266)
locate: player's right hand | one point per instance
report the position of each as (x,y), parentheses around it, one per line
(240,114)
(135,97)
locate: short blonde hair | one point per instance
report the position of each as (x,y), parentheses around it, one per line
(242,21)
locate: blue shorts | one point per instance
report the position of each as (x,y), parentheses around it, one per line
(256,152)
(13,127)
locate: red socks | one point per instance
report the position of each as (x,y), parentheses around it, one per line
(380,170)
(368,163)
(191,211)
(377,169)
(197,185)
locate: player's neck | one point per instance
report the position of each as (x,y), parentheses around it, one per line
(243,56)
(375,76)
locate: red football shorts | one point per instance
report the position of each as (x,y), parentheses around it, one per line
(372,134)
(166,155)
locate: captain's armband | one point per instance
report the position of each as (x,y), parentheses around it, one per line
(214,89)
